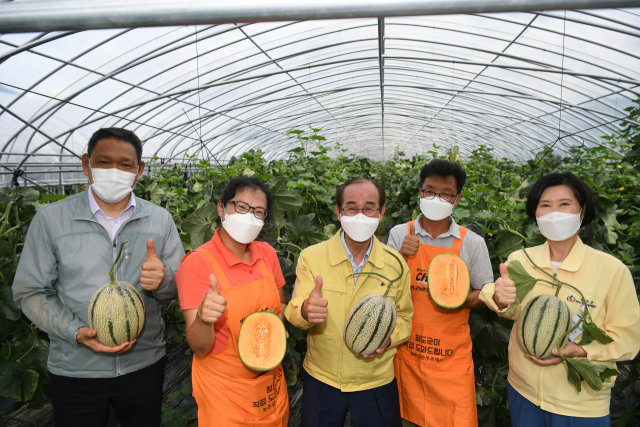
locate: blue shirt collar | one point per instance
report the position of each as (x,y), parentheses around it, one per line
(356,268)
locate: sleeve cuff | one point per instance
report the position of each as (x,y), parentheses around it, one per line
(293,314)
(486,295)
(73,333)
(594,350)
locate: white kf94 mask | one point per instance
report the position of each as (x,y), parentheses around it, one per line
(435,209)
(559,226)
(243,228)
(359,227)
(111,185)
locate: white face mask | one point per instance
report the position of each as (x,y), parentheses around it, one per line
(243,228)
(112,185)
(559,226)
(435,209)
(359,227)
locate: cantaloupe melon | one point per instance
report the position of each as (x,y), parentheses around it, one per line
(449,281)
(543,321)
(116,311)
(370,323)
(263,341)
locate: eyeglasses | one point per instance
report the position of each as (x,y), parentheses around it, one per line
(243,207)
(351,211)
(445,197)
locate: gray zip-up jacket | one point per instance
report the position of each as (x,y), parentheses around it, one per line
(67,256)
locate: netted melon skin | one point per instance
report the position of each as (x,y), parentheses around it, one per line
(370,323)
(116,312)
(543,321)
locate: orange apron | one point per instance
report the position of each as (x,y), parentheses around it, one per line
(226,391)
(434,368)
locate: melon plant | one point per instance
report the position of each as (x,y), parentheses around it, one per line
(578,369)
(449,281)
(543,321)
(262,341)
(370,322)
(116,310)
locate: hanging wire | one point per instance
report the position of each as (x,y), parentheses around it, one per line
(534,166)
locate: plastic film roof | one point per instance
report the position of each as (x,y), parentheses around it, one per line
(514,81)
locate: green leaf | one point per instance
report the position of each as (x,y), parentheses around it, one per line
(291,378)
(589,372)
(201,224)
(574,378)
(17,382)
(294,131)
(248,172)
(284,200)
(50,197)
(8,305)
(523,280)
(592,332)
(507,242)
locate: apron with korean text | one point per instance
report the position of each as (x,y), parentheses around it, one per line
(434,368)
(228,393)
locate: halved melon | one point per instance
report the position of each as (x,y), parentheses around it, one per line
(262,341)
(449,281)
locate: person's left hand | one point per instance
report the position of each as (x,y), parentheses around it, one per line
(570,350)
(152,270)
(378,351)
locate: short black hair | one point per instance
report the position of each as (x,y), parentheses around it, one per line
(581,192)
(240,183)
(117,133)
(444,168)
(340,193)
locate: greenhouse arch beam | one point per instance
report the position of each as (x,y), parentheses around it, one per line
(69,15)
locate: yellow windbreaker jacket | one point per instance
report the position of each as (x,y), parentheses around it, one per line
(328,358)
(610,294)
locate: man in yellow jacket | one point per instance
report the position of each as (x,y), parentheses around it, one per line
(336,379)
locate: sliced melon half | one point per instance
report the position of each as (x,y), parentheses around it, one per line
(262,341)
(449,281)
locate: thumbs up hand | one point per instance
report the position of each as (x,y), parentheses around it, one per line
(213,304)
(314,308)
(505,293)
(152,269)
(410,243)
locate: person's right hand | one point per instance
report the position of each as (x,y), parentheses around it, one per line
(505,293)
(314,308)
(87,337)
(410,244)
(213,305)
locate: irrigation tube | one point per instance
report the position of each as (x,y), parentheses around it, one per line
(73,15)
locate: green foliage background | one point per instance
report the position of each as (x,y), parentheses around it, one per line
(304,185)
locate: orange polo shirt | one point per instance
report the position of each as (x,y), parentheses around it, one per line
(192,277)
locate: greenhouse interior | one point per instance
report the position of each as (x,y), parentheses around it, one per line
(305,97)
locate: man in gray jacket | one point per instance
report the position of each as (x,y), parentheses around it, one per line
(67,255)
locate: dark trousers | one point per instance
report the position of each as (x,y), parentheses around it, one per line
(526,414)
(136,398)
(326,406)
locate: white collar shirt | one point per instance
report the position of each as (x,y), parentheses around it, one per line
(112,225)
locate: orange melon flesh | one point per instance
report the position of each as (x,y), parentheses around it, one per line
(262,341)
(449,281)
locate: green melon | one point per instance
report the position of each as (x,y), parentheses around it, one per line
(370,323)
(116,311)
(542,323)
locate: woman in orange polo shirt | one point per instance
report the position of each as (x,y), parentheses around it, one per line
(219,284)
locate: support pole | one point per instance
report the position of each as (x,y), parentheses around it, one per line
(72,15)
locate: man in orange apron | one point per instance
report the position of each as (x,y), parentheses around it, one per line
(435,368)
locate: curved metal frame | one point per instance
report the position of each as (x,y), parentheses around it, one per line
(363,81)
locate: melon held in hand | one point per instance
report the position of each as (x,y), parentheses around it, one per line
(116,311)
(543,321)
(449,281)
(370,322)
(262,341)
